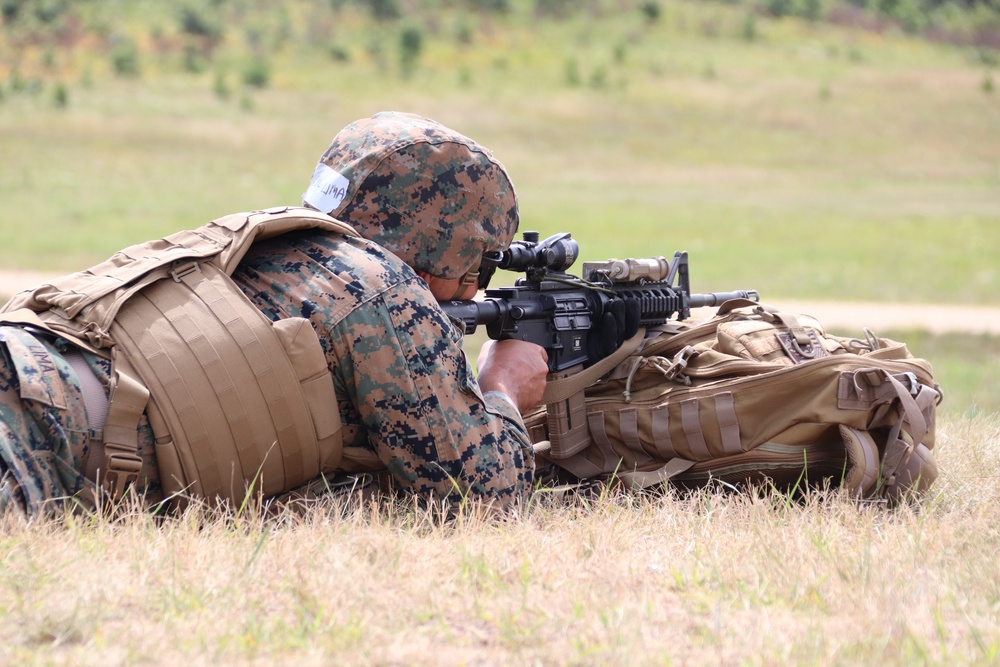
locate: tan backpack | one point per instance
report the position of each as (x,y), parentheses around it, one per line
(749,396)
(235,401)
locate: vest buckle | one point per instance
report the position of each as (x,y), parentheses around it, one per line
(182,268)
(121,469)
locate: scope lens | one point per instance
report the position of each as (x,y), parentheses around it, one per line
(561,254)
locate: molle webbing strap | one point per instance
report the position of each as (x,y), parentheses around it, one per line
(564,401)
(899,449)
(581,466)
(729,425)
(360,459)
(595,420)
(127,400)
(661,431)
(731,305)
(691,423)
(225,388)
(628,424)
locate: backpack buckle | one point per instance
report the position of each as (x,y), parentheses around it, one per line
(182,269)
(122,471)
(121,468)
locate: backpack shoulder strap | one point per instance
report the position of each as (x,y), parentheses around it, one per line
(563,388)
(223,241)
(246,228)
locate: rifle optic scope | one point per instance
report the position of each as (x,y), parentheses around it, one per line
(556,253)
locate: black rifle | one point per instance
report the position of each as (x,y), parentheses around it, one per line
(557,310)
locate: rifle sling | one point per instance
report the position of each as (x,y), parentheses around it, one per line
(560,390)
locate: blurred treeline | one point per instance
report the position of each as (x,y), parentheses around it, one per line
(55,41)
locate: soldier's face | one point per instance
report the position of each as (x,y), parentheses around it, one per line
(444,289)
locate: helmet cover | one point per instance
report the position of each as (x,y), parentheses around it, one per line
(434,197)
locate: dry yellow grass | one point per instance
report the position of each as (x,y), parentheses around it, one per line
(705,579)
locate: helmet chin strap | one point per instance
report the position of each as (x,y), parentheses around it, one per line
(470,278)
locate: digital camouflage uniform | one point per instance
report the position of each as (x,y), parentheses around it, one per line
(405,390)
(43,426)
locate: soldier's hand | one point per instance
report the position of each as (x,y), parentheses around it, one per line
(516,368)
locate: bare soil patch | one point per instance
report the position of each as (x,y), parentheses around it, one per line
(935,318)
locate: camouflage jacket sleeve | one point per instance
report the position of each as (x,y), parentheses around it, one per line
(407,389)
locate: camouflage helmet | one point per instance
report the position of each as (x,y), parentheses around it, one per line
(435,198)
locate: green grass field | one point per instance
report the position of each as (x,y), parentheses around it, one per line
(810,162)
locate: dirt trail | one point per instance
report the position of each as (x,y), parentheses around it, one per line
(935,318)
(844,317)
(13,281)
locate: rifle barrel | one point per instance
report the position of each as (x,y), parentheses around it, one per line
(716,298)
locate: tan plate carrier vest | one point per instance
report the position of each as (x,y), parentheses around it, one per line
(236,403)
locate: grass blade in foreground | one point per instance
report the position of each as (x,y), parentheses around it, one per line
(622,580)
